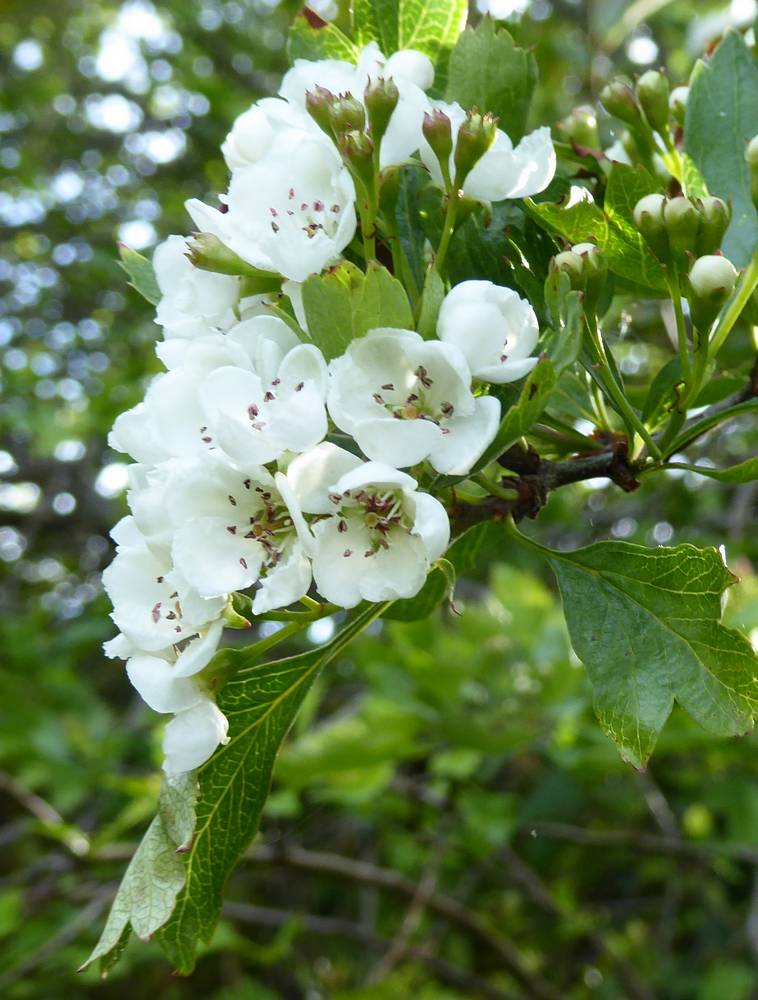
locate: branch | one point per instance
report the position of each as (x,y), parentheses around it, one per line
(536,477)
(453,911)
(266,916)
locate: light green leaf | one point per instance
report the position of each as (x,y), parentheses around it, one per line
(519,418)
(376,21)
(176,808)
(327,42)
(431,27)
(140,271)
(647,625)
(722,115)
(692,180)
(489,71)
(431,300)
(745,472)
(260,703)
(344,303)
(563,342)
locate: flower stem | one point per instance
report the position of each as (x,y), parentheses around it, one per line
(738,303)
(448,228)
(681,326)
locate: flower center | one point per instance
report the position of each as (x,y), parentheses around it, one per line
(381,512)
(310,217)
(418,403)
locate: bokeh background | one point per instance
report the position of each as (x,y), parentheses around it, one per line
(446,808)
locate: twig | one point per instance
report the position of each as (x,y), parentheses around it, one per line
(335,927)
(454,912)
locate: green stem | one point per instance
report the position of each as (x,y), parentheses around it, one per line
(746,288)
(448,229)
(493,488)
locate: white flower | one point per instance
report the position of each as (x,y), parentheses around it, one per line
(267,125)
(152,605)
(233,529)
(378,537)
(412,72)
(494,328)
(193,302)
(405,399)
(503,171)
(291,212)
(192,736)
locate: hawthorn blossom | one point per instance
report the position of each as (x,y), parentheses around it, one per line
(234,529)
(411,71)
(504,171)
(193,302)
(405,399)
(493,327)
(292,211)
(376,536)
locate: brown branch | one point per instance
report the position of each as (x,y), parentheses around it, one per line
(266,916)
(454,912)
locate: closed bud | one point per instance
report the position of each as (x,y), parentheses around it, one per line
(438,132)
(653,95)
(346,114)
(587,270)
(317,104)
(475,136)
(580,127)
(711,282)
(618,99)
(682,221)
(714,220)
(648,217)
(357,151)
(678,104)
(571,264)
(751,158)
(207,252)
(381,99)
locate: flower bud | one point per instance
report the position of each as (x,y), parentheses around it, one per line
(207,252)
(618,99)
(648,217)
(317,104)
(438,133)
(381,97)
(653,95)
(475,136)
(714,220)
(678,103)
(346,114)
(581,128)
(357,151)
(587,270)
(571,264)
(711,282)
(751,158)
(682,221)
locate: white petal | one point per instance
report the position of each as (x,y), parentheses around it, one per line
(199,651)
(119,648)
(509,371)
(411,65)
(397,442)
(285,583)
(214,560)
(158,685)
(314,474)
(339,560)
(505,172)
(395,572)
(374,474)
(467,439)
(431,524)
(192,736)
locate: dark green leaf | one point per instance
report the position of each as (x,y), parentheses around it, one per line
(647,625)
(344,303)
(489,71)
(260,703)
(414,190)
(431,300)
(663,393)
(722,115)
(745,472)
(141,274)
(563,342)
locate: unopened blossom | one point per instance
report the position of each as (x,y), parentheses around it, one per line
(411,71)
(234,529)
(504,171)
(375,536)
(405,399)
(493,327)
(193,302)
(291,212)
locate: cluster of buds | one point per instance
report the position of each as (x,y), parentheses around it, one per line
(645,105)
(476,135)
(677,227)
(587,270)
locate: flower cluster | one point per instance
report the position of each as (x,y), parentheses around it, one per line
(238,484)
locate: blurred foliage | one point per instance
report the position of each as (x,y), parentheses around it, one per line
(453,759)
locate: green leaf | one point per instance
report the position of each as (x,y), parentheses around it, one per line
(416,195)
(431,27)
(376,21)
(563,342)
(155,876)
(646,623)
(344,304)
(327,42)
(488,70)
(260,703)
(627,253)
(663,393)
(140,271)
(692,180)
(431,300)
(722,115)
(520,417)
(745,472)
